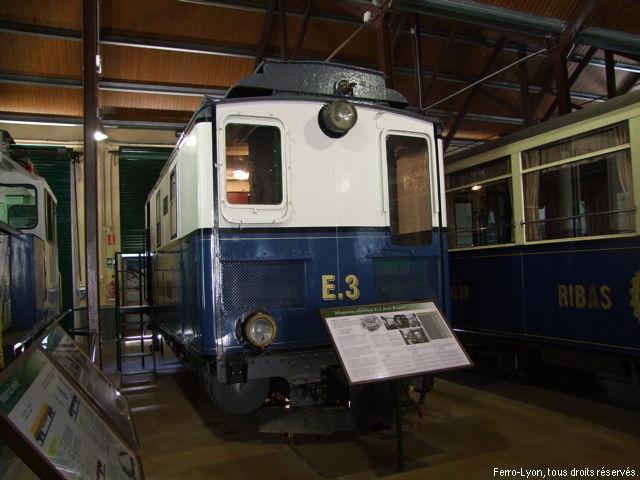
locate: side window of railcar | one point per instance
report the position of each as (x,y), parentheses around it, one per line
(409,190)
(480,205)
(50,219)
(173,204)
(579,187)
(254,164)
(158,219)
(18,206)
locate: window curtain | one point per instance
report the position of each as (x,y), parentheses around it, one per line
(531,185)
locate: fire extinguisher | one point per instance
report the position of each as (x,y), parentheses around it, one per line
(111,290)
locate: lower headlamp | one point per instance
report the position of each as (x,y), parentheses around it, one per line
(259,329)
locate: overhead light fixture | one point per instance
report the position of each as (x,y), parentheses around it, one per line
(240,175)
(475,188)
(100,134)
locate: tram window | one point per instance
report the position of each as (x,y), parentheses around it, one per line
(18,206)
(409,190)
(586,197)
(174,204)
(580,199)
(253,164)
(51,219)
(481,215)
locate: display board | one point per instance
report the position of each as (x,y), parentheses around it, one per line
(51,423)
(72,359)
(393,340)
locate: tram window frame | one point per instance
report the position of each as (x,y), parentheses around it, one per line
(484,218)
(262,196)
(406,228)
(4,208)
(575,184)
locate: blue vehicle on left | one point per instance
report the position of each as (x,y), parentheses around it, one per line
(29,281)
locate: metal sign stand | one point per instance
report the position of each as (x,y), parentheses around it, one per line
(393,341)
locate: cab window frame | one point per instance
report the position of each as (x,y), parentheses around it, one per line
(236,203)
(399,223)
(35,205)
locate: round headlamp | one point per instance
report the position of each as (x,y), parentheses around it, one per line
(260,329)
(337,118)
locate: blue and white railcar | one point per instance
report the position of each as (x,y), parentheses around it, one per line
(29,282)
(544,240)
(308,186)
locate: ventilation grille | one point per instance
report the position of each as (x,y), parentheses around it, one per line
(268,284)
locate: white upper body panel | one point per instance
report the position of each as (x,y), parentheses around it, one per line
(325,182)
(329,181)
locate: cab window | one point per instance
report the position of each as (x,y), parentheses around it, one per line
(18,206)
(409,190)
(253,164)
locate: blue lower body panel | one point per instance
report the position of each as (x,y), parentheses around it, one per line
(204,283)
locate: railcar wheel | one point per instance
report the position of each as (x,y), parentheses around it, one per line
(239,398)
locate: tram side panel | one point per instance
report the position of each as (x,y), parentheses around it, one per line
(582,294)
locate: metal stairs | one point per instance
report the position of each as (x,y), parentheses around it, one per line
(135,341)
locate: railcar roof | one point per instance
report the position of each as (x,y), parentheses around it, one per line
(559,122)
(312,78)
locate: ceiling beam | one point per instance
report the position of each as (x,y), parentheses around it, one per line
(469,11)
(525,94)
(114,86)
(439,66)
(574,25)
(385,52)
(62,121)
(266,30)
(509,19)
(207,49)
(303,28)
(572,79)
(137,42)
(471,95)
(610,75)
(498,99)
(282,9)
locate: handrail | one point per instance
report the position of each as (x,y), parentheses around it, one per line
(573,217)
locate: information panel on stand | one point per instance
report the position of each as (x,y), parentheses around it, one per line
(71,358)
(393,340)
(55,427)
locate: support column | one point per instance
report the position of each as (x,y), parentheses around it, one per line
(90,88)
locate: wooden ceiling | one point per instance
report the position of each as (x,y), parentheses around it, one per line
(160,56)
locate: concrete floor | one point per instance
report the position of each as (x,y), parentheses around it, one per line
(473,424)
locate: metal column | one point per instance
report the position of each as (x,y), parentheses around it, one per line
(90,88)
